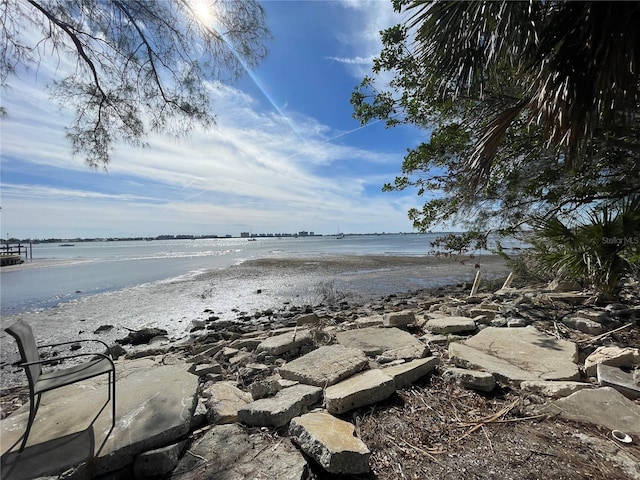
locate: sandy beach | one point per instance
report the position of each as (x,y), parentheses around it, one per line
(243,289)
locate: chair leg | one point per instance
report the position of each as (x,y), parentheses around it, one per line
(113,398)
(33,409)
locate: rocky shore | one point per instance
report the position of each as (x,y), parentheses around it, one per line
(509,383)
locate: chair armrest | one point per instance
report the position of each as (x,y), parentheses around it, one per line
(74,341)
(67,357)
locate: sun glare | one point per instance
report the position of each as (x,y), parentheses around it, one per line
(204,11)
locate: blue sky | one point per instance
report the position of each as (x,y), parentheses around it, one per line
(286,154)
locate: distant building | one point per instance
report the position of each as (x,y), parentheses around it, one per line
(303,234)
(245,234)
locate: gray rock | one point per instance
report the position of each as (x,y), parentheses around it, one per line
(158,462)
(451,325)
(280,409)
(470,379)
(285,342)
(601,406)
(553,389)
(223,402)
(229,452)
(516,323)
(407,373)
(330,442)
(364,388)
(202,369)
(398,319)
(613,356)
(308,319)
(376,341)
(325,366)
(583,324)
(542,355)
(622,381)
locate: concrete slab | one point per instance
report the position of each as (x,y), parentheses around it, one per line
(154,403)
(279,344)
(398,319)
(553,389)
(331,442)
(407,373)
(362,389)
(470,379)
(601,406)
(542,355)
(325,366)
(223,399)
(446,325)
(280,409)
(611,355)
(504,372)
(619,379)
(375,341)
(229,452)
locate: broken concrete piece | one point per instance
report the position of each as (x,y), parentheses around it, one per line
(553,389)
(451,325)
(407,373)
(470,379)
(330,442)
(601,406)
(505,372)
(229,452)
(617,378)
(223,400)
(542,355)
(361,389)
(158,462)
(278,410)
(613,356)
(376,341)
(325,366)
(285,342)
(398,319)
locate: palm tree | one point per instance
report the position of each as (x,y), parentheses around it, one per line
(572,68)
(601,249)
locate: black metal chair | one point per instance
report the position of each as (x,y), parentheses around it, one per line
(39,382)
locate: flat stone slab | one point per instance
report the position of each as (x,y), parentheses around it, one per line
(470,379)
(325,366)
(553,389)
(223,400)
(409,372)
(542,355)
(398,319)
(451,325)
(285,342)
(280,409)
(364,388)
(331,442)
(619,379)
(503,371)
(229,452)
(376,341)
(601,406)
(613,356)
(154,405)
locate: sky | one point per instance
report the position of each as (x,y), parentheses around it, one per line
(285,154)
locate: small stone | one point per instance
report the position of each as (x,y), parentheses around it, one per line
(398,319)
(451,325)
(516,323)
(470,379)
(158,462)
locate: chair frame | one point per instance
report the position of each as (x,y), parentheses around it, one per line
(21,331)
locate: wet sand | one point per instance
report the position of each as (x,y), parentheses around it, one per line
(255,285)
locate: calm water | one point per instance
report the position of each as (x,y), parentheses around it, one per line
(59,274)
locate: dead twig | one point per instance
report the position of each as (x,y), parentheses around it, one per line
(490,419)
(428,452)
(602,335)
